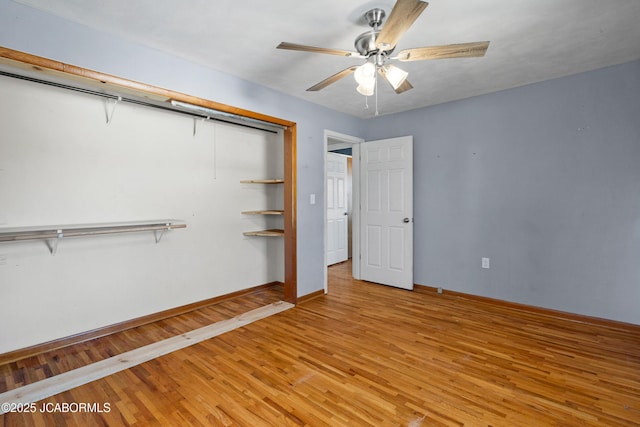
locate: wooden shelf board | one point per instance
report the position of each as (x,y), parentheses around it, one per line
(265,233)
(262,181)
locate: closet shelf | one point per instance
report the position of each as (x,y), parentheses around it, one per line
(53,234)
(265,212)
(265,233)
(262,181)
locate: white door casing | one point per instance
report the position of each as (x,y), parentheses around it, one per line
(386,213)
(337,199)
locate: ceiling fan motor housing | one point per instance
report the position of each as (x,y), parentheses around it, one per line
(365,43)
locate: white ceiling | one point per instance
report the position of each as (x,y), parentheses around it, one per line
(531,41)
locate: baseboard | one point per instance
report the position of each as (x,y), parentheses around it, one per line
(558,314)
(310,296)
(14,355)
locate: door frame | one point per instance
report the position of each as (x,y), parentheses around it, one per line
(341,140)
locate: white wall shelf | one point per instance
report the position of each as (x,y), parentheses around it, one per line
(53,234)
(265,212)
(265,233)
(262,181)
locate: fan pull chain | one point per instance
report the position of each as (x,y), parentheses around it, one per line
(376,90)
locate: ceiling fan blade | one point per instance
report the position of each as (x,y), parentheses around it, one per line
(337,76)
(463,50)
(402,16)
(404,86)
(303,48)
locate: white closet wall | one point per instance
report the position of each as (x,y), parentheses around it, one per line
(60,163)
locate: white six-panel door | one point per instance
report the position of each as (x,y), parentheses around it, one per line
(386,192)
(337,219)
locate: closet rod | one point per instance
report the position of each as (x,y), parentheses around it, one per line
(143,103)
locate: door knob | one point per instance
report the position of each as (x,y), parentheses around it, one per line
(405,220)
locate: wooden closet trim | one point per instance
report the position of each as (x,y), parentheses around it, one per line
(96,79)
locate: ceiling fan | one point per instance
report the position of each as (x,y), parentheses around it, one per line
(376,46)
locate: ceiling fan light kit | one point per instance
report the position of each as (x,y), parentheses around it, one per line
(394,75)
(376,46)
(365,76)
(368,88)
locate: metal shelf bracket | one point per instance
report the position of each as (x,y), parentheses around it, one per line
(113,109)
(159,233)
(53,243)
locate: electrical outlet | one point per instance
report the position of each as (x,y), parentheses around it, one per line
(439,290)
(486,263)
(3,259)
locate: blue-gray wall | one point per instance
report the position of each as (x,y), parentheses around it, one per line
(544,180)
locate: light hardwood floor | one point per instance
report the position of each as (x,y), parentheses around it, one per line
(365,354)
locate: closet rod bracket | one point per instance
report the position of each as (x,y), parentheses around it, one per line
(159,233)
(195,122)
(53,243)
(113,109)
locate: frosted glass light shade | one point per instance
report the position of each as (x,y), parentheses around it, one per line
(395,75)
(365,73)
(366,90)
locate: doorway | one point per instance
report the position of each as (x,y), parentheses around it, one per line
(339,206)
(382,245)
(348,146)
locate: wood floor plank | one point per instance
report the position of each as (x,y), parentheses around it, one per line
(47,387)
(31,369)
(366,354)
